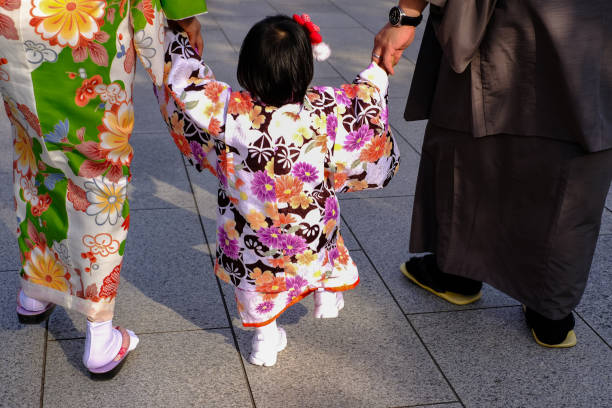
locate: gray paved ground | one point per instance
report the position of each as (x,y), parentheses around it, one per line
(392,346)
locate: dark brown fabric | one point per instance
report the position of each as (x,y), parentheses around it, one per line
(520,213)
(522,67)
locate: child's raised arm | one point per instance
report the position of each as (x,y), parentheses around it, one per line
(193,103)
(364,153)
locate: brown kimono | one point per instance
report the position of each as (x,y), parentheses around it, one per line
(517,155)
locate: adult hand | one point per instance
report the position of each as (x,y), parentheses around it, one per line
(192,27)
(389,44)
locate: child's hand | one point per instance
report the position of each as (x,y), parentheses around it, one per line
(192,27)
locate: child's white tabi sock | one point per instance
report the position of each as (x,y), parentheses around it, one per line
(103,342)
(327,304)
(267,341)
(31,304)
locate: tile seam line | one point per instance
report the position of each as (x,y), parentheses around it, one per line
(377,198)
(594,331)
(237,51)
(462,310)
(427,404)
(227,314)
(44,364)
(405,317)
(162,208)
(145,333)
(405,139)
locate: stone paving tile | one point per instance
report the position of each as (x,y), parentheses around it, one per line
(334,18)
(240,8)
(412,132)
(334,81)
(236,27)
(606,222)
(6,159)
(323,69)
(441,405)
(368,357)
(402,184)
(349,239)
(167,280)
(9,251)
(158,174)
(609,200)
(147,118)
(374,16)
(205,187)
(351,54)
(385,240)
(596,302)
(9,254)
(208,21)
(303,6)
(216,45)
(492,361)
(185,369)
(21,353)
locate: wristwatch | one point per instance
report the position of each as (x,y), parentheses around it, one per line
(397,18)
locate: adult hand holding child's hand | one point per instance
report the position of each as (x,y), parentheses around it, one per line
(192,27)
(389,44)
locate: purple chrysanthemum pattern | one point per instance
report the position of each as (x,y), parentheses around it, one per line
(270,237)
(305,172)
(356,140)
(265,307)
(263,186)
(332,124)
(333,254)
(342,98)
(294,287)
(230,247)
(198,153)
(331,209)
(293,244)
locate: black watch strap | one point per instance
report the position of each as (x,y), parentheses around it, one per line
(411,21)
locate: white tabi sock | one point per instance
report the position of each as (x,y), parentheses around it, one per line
(103,342)
(267,341)
(327,304)
(268,333)
(31,304)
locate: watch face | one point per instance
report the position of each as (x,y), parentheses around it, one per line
(394,16)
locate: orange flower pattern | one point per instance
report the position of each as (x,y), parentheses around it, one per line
(72,113)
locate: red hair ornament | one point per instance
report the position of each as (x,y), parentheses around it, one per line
(320,50)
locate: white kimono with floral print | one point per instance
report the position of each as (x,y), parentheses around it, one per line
(279,169)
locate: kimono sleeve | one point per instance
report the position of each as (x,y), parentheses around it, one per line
(364,152)
(180,9)
(193,103)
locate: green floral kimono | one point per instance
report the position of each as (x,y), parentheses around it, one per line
(66,75)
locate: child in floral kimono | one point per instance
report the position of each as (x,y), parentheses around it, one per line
(281,152)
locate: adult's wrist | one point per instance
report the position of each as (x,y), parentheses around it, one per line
(412,8)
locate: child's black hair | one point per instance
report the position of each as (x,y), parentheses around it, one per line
(275,63)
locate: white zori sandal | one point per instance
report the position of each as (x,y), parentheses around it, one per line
(327,304)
